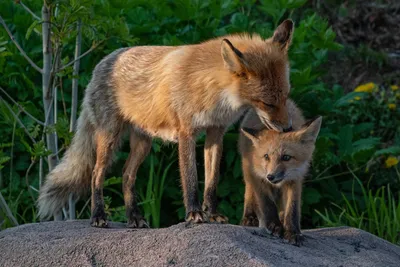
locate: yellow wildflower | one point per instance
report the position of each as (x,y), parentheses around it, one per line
(394,87)
(398,95)
(392,106)
(391,161)
(357,98)
(367,88)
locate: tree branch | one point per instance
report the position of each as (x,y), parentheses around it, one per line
(75,73)
(81,56)
(18,120)
(19,47)
(27,9)
(21,108)
(4,206)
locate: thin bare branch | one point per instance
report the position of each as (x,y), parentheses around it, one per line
(75,73)
(83,209)
(21,108)
(40,172)
(19,47)
(18,120)
(6,208)
(81,56)
(28,9)
(27,180)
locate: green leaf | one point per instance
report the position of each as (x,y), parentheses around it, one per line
(240,20)
(347,99)
(393,150)
(345,140)
(112,181)
(365,127)
(311,195)
(365,144)
(30,29)
(230,157)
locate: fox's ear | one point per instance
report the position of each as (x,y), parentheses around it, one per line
(283,34)
(233,58)
(309,131)
(251,134)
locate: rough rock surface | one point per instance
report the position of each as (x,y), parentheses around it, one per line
(75,243)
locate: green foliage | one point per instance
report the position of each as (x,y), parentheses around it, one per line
(376,212)
(359,129)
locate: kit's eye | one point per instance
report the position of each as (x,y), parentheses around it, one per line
(266,156)
(286,157)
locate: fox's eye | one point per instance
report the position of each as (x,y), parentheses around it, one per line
(266,156)
(286,157)
(269,106)
(242,75)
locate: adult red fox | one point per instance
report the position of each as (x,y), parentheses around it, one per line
(172,93)
(274,165)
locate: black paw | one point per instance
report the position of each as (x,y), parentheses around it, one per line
(250,220)
(275,228)
(100,222)
(217,218)
(294,238)
(99,218)
(137,222)
(196,217)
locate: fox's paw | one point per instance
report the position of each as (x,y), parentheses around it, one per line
(294,238)
(99,218)
(100,222)
(250,221)
(196,217)
(276,228)
(137,222)
(217,218)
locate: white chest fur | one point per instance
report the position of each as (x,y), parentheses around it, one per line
(227,110)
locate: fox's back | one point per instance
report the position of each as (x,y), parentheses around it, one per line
(164,89)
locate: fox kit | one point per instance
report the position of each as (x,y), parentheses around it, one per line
(172,93)
(274,165)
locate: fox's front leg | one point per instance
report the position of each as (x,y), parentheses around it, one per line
(187,165)
(268,212)
(291,198)
(212,159)
(250,206)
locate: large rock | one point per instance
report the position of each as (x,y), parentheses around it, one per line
(75,243)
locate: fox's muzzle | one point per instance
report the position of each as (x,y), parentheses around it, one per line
(282,123)
(275,178)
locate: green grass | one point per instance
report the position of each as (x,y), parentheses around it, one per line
(376,212)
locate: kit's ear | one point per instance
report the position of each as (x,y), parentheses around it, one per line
(251,134)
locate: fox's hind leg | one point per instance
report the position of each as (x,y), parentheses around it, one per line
(106,142)
(212,159)
(140,147)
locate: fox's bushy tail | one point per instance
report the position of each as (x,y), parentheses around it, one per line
(73,173)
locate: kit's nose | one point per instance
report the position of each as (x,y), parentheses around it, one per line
(270,177)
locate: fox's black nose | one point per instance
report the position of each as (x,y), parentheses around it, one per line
(289,129)
(270,177)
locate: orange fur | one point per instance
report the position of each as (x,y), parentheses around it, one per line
(274,165)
